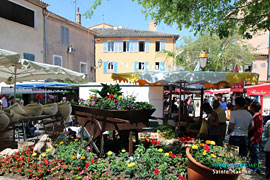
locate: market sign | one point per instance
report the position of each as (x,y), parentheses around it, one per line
(263,89)
(238,87)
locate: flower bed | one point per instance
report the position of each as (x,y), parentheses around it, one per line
(73,161)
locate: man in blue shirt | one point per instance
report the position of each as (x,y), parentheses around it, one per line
(223,103)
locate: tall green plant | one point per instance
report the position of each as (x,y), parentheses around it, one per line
(107,90)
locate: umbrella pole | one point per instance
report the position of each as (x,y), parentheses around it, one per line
(15,79)
(201,112)
(180,99)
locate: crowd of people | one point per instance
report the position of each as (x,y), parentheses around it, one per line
(243,123)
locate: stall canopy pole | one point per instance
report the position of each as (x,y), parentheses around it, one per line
(180,100)
(201,112)
(170,101)
(184,99)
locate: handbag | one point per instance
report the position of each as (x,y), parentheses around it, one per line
(203,130)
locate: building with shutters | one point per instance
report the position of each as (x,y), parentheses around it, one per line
(120,50)
(70,45)
(22,28)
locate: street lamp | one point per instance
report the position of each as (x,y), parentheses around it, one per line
(99,62)
(203,59)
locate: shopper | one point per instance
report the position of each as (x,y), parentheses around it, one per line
(256,137)
(212,122)
(267,149)
(240,122)
(222,122)
(223,103)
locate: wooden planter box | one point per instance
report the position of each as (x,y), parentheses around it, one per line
(133,116)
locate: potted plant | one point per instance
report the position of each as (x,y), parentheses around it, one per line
(206,161)
(109,101)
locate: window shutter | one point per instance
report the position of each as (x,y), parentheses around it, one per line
(162,66)
(120,46)
(104,46)
(146,66)
(162,45)
(136,66)
(115,67)
(105,66)
(127,46)
(147,46)
(67,36)
(131,45)
(116,45)
(62,35)
(136,46)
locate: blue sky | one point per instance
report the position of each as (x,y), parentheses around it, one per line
(113,12)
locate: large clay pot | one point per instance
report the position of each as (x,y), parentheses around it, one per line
(198,171)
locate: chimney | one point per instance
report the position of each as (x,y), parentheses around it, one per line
(152,26)
(78,17)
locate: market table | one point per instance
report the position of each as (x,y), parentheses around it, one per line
(43,118)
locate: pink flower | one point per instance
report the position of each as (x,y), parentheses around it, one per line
(86,103)
(93,102)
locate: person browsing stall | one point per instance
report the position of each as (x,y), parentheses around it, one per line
(239,125)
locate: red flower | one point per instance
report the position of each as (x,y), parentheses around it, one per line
(188,138)
(116,100)
(206,148)
(178,156)
(87,164)
(158,142)
(156,171)
(181,177)
(111,96)
(93,161)
(172,155)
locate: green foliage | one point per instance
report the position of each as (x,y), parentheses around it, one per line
(221,17)
(223,54)
(166,130)
(106,90)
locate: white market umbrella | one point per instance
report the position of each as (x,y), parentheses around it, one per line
(13,69)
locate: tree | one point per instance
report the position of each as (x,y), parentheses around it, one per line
(223,54)
(220,17)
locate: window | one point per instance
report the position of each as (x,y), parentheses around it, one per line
(254,66)
(29,56)
(57,60)
(110,66)
(157,66)
(125,46)
(141,46)
(64,35)
(248,68)
(110,46)
(17,13)
(83,68)
(263,65)
(141,66)
(157,46)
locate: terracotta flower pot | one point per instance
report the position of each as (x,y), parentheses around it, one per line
(198,171)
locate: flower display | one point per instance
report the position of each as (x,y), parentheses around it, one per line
(110,97)
(72,160)
(215,157)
